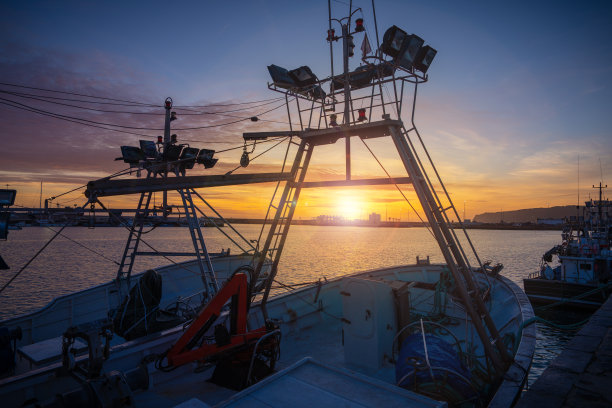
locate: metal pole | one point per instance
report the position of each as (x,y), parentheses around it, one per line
(347,95)
(168,106)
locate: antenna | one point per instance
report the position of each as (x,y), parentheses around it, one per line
(578,190)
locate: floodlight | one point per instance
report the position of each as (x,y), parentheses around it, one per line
(131,154)
(188,157)
(303,76)
(172,152)
(149,148)
(360,77)
(393,40)
(410,48)
(4,221)
(280,77)
(205,157)
(385,69)
(7,197)
(317,92)
(424,58)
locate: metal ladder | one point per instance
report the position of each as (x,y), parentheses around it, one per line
(209,278)
(130,251)
(279,227)
(131,246)
(452,252)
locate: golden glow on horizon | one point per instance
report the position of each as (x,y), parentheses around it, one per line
(350,207)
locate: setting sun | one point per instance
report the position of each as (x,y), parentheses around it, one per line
(349,207)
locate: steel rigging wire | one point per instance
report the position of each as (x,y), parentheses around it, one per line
(190,112)
(127,101)
(73,118)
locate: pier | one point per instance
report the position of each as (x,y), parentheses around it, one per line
(581,375)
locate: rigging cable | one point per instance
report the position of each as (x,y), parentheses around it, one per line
(131,102)
(43,98)
(103,124)
(84,246)
(68,119)
(396,186)
(76,94)
(32,259)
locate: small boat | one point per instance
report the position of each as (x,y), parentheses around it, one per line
(583,277)
(216,331)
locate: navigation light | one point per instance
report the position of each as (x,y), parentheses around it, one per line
(359,25)
(362,115)
(331,35)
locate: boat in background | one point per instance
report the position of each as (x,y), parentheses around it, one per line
(420,335)
(583,277)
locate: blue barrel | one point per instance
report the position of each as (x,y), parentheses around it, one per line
(411,366)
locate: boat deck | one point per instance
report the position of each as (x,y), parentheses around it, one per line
(581,375)
(322,340)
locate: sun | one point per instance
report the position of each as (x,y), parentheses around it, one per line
(349,208)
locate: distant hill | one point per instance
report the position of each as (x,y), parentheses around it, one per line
(527,215)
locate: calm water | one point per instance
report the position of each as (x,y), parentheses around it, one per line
(311,252)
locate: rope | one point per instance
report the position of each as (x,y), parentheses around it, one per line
(86,247)
(580,296)
(31,259)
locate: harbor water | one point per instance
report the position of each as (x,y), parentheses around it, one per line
(80,258)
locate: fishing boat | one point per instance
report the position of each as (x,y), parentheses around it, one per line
(581,277)
(214,331)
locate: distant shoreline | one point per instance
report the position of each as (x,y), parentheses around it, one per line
(406,224)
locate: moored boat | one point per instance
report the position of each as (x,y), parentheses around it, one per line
(582,277)
(419,335)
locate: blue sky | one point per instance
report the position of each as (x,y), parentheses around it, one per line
(517,91)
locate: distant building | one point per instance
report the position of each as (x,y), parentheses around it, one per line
(550,221)
(374,218)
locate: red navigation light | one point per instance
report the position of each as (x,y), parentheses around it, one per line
(160,139)
(362,115)
(331,33)
(359,25)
